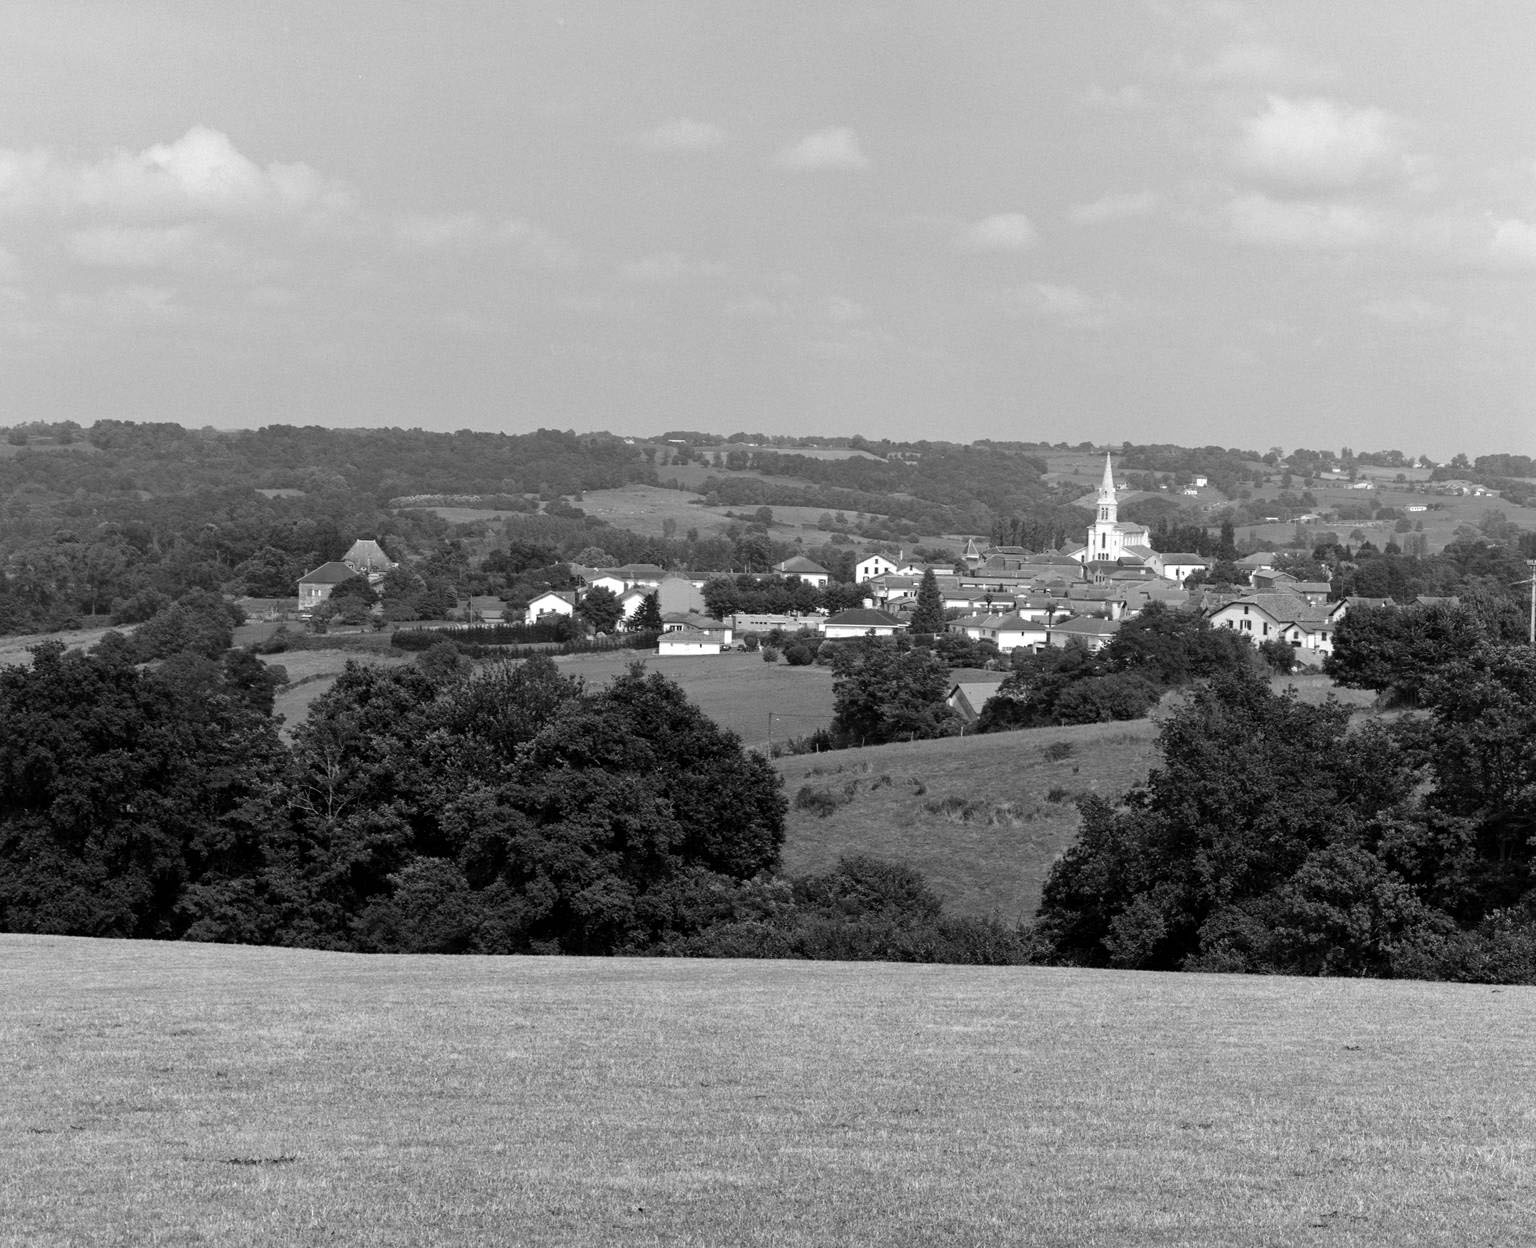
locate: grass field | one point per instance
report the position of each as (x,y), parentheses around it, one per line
(981,817)
(162,1094)
(737,691)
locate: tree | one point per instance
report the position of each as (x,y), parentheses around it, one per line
(647,618)
(928,618)
(882,692)
(600,608)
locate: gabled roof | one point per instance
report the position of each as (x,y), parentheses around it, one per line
(332,573)
(564,595)
(367,553)
(1184,558)
(1087,626)
(863,617)
(801,566)
(1011,623)
(1259,559)
(690,636)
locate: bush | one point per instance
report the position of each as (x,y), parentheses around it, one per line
(770,654)
(821,800)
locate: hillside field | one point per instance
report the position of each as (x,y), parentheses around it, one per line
(981,817)
(167,1094)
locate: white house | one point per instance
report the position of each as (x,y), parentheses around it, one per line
(1014,630)
(1094,632)
(689,641)
(861,622)
(871,566)
(808,570)
(1179,565)
(550,604)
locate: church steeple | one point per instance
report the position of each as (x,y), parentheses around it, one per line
(1108,508)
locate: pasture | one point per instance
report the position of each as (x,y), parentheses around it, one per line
(164,1094)
(981,817)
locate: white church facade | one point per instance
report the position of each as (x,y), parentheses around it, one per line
(1111,539)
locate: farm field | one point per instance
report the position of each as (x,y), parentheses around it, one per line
(981,817)
(310,674)
(737,691)
(15,649)
(192,1094)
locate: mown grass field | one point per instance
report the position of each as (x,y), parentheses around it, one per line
(981,817)
(161,1094)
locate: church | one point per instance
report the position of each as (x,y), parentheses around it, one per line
(1111,540)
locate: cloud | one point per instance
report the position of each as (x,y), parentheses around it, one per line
(1004,231)
(1514,243)
(200,174)
(1307,226)
(667,267)
(1114,208)
(189,246)
(1263,64)
(1410,310)
(531,244)
(1129,98)
(123,305)
(1319,146)
(683,135)
(1065,305)
(836,147)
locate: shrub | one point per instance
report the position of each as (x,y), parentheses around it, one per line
(822,800)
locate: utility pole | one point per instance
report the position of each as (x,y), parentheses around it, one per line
(1531,564)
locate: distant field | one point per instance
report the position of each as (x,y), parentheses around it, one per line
(186,1095)
(311,673)
(14,649)
(906,807)
(737,691)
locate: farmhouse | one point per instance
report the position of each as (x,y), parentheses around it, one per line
(967,697)
(315,587)
(871,566)
(1089,630)
(367,558)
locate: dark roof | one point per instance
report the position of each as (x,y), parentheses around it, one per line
(1087,624)
(800,563)
(863,616)
(332,573)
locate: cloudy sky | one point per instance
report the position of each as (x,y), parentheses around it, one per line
(1308,223)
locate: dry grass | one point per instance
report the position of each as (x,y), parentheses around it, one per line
(15,649)
(185,1095)
(981,817)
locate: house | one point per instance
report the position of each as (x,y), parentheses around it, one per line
(1090,630)
(967,697)
(631,600)
(367,558)
(808,570)
(1010,632)
(861,622)
(1279,615)
(689,641)
(546,607)
(677,623)
(1179,565)
(677,593)
(743,622)
(871,566)
(315,587)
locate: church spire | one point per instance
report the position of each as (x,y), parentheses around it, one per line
(1107,507)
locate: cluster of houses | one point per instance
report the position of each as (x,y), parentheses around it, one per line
(1003,594)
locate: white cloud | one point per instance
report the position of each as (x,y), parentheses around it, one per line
(1263,64)
(1114,208)
(683,135)
(1308,226)
(1514,243)
(1321,146)
(836,147)
(669,266)
(1129,98)
(533,245)
(127,306)
(189,246)
(1063,304)
(1004,231)
(200,174)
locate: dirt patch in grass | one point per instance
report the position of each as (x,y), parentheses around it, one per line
(165,1094)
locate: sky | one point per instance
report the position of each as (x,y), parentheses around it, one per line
(1280,224)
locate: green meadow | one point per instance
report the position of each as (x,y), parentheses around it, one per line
(163,1094)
